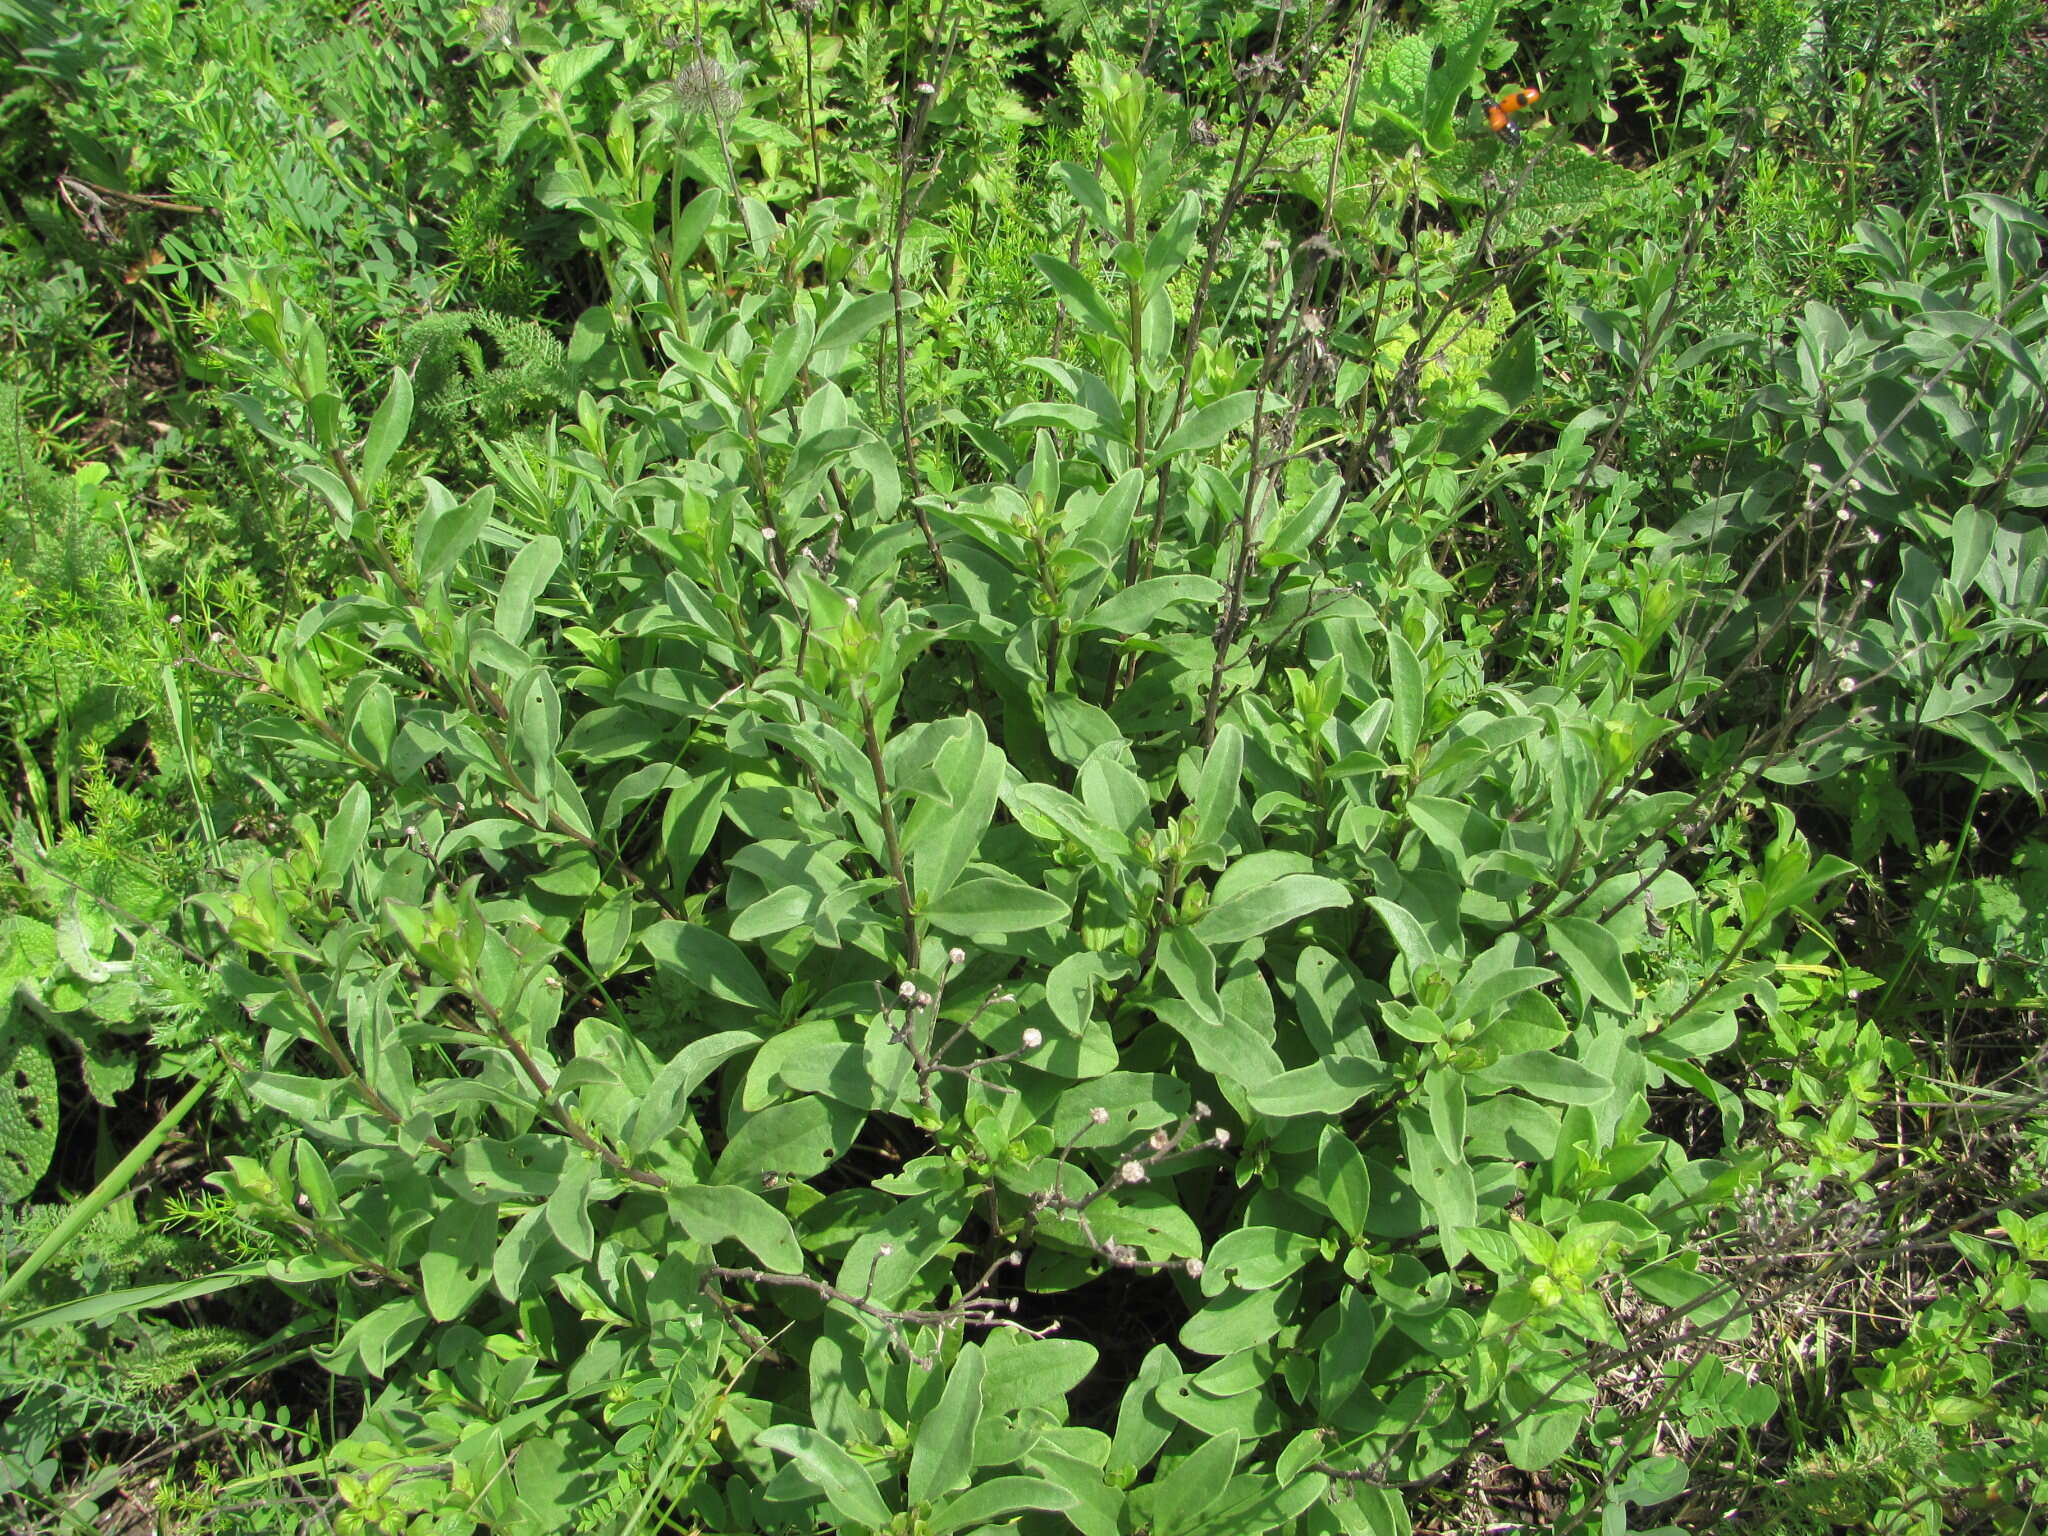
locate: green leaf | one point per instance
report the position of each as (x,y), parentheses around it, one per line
(140,1298)
(568,1206)
(1453,826)
(712,1213)
(994,903)
(343,837)
(1410,937)
(1593,957)
(1269,906)
(688,232)
(381,1338)
(1410,691)
(941,834)
(942,1455)
(793,1140)
(1545,1075)
(517,1251)
(1216,796)
(387,428)
(1078,294)
(457,1264)
(1322,1088)
(1653,1480)
(1053,415)
(787,355)
(661,1111)
(1540,1425)
(1253,1258)
(447,529)
(1241,1319)
(1185,1493)
(1135,607)
(853,319)
(525,579)
(995,1498)
(709,961)
(1342,1360)
(1342,1184)
(845,1483)
(1086,189)
(1208,426)
(1995,742)
(1443,1180)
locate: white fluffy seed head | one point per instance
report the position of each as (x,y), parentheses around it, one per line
(1098,1116)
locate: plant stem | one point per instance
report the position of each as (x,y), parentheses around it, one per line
(913,947)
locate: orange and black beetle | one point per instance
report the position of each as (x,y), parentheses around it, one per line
(1500,115)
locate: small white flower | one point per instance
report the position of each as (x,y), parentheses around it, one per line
(956,956)
(907,991)
(1098,1115)
(1221,1138)
(1194,1269)
(1033,1039)
(1132,1172)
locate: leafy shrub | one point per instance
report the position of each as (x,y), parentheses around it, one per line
(1229,929)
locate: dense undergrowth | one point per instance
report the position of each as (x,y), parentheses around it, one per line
(969,768)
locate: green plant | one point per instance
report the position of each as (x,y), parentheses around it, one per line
(1130,812)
